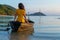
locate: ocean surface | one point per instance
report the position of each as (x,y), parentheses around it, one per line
(45,28)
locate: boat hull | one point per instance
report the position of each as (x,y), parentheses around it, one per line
(26,27)
(23,27)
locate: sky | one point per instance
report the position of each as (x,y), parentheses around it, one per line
(48,7)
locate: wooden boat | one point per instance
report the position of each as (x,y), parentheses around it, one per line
(25,27)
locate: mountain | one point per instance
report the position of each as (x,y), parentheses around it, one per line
(7,10)
(36,14)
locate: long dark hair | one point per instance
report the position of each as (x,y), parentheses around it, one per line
(21,6)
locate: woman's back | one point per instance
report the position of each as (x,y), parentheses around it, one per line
(20,13)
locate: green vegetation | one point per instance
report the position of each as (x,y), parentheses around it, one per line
(7,10)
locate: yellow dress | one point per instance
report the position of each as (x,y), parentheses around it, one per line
(20,13)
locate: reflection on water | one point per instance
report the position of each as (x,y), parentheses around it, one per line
(5,35)
(19,36)
(45,28)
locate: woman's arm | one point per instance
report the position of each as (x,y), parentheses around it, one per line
(26,19)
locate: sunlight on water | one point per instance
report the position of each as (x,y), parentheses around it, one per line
(45,28)
(47,24)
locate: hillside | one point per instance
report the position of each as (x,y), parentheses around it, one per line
(37,14)
(7,10)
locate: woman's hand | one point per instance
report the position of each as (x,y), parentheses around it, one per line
(26,21)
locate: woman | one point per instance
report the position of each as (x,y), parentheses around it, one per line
(20,14)
(21,17)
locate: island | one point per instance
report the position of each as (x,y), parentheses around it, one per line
(7,10)
(36,14)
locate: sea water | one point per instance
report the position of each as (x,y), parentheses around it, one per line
(45,28)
